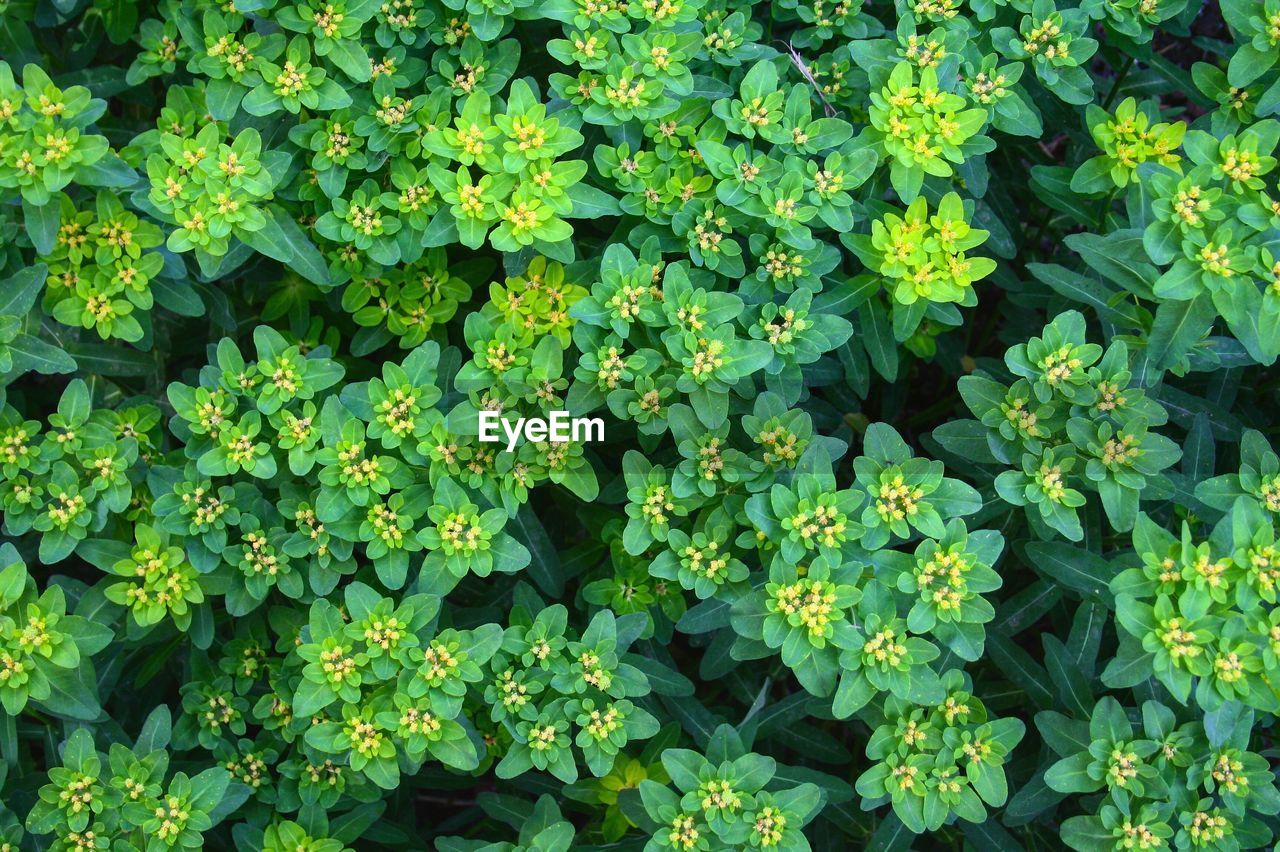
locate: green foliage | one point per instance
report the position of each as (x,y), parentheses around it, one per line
(1166,781)
(926,353)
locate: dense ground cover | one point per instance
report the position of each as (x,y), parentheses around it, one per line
(934,344)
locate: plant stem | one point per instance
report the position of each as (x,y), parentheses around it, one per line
(1106,207)
(1115,86)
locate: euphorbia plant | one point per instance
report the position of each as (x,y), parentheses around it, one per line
(268,268)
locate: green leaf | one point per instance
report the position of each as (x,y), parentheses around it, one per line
(104,360)
(877,339)
(282,239)
(18,292)
(208,788)
(1032,799)
(31,353)
(41,222)
(179,297)
(591,203)
(891,836)
(1109,304)
(1178,326)
(156,731)
(1017,665)
(1071,685)
(1073,567)
(1069,775)
(544,566)
(73,694)
(312,697)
